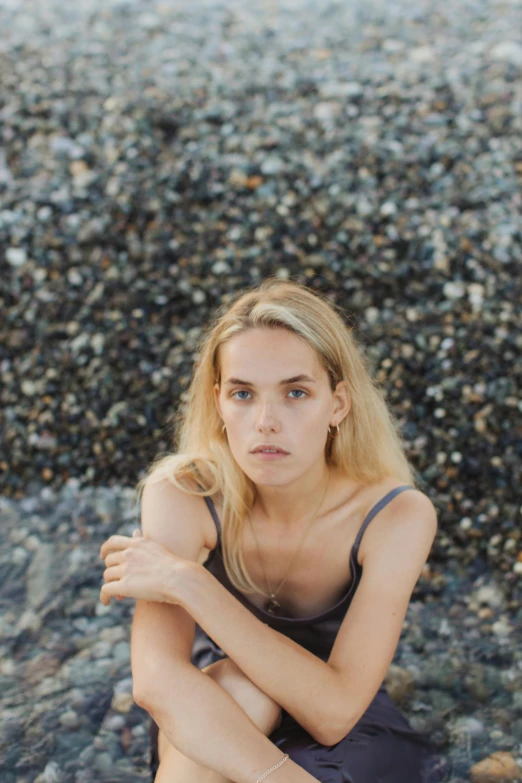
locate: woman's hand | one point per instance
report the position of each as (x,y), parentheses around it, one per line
(139,568)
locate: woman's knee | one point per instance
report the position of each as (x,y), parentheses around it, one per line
(260,708)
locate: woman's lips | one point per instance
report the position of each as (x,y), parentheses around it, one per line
(270,455)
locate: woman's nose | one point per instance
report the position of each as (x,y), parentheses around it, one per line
(266,417)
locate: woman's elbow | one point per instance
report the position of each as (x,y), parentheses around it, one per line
(332,732)
(155,691)
(142,697)
(144,693)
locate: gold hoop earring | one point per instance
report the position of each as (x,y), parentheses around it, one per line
(337,431)
(223,428)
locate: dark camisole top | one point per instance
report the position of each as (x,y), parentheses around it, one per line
(382,747)
(316,633)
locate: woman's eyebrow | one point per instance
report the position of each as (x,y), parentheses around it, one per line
(295,379)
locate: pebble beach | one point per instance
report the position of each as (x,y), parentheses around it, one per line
(155,159)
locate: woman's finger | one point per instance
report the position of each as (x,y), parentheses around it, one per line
(106,601)
(112,573)
(111,590)
(114,543)
(113,558)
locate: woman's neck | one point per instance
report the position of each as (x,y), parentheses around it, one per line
(290,506)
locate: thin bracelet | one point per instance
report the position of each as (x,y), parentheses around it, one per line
(264,775)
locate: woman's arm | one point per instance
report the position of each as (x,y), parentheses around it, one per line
(172,593)
(194,712)
(300,682)
(207,725)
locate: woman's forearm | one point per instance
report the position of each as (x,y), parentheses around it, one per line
(208,726)
(305,686)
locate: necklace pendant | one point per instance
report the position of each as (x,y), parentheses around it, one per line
(272,606)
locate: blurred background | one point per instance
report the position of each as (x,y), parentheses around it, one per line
(157,157)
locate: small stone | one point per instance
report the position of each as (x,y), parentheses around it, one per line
(326,110)
(510,51)
(29,388)
(271,166)
(237,178)
(454,290)
(121,651)
(7,667)
(364,207)
(388,208)
(421,54)
(470,726)
(16,256)
(126,738)
(63,145)
(122,702)
(500,767)
(51,774)
(124,686)
(44,214)
(69,719)
(341,89)
(41,574)
(490,595)
(220,268)
(29,621)
(103,762)
(400,683)
(114,723)
(149,21)
(372,314)
(502,627)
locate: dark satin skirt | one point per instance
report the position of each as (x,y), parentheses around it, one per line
(381,748)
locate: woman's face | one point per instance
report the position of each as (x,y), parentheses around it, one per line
(259,404)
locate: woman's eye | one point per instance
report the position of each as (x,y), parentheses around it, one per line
(244,391)
(241,391)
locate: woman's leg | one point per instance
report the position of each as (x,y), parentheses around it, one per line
(174,767)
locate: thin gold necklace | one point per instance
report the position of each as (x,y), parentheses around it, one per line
(272,605)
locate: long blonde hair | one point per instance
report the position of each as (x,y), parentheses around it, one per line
(367,448)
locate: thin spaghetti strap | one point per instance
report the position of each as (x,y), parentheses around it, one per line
(211,507)
(375,510)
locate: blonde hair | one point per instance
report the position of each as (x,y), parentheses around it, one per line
(367,448)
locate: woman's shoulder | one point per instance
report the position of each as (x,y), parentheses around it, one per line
(374,494)
(175,515)
(365,495)
(380,489)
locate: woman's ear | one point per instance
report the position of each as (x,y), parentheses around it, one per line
(215,391)
(343,402)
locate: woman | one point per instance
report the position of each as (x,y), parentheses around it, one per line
(267,658)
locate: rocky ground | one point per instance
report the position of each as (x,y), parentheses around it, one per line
(155,158)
